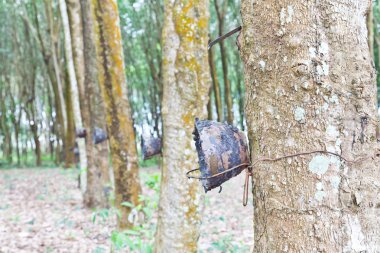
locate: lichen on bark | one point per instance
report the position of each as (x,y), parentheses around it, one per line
(186,82)
(312,87)
(112,82)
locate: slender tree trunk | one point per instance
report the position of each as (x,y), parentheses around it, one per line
(98,178)
(16,119)
(58,92)
(209,105)
(50,123)
(7,133)
(58,146)
(227,87)
(74,93)
(186,84)
(70,131)
(17,131)
(25,149)
(312,88)
(30,110)
(239,84)
(119,116)
(37,143)
(216,85)
(51,61)
(370,27)
(2,143)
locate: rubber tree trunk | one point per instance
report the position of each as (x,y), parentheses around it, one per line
(17,139)
(76,28)
(74,93)
(7,146)
(119,116)
(51,63)
(209,105)
(186,83)
(98,178)
(70,130)
(221,14)
(16,120)
(37,143)
(313,87)
(215,85)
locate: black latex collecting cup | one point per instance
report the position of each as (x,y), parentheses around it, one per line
(99,135)
(150,146)
(220,147)
(81,133)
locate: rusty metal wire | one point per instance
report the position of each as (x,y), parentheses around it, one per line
(250,166)
(224,36)
(216,175)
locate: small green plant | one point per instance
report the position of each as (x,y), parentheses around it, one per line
(99,250)
(225,244)
(134,239)
(66,222)
(4,207)
(40,197)
(140,238)
(48,250)
(152,181)
(153,162)
(15,219)
(104,214)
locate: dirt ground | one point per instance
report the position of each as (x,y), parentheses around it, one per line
(41,211)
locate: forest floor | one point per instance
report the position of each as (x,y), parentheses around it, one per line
(41,211)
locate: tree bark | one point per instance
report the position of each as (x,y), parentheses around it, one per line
(312,88)
(186,83)
(30,109)
(112,83)
(50,59)
(209,105)
(16,120)
(74,89)
(7,148)
(98,178)
(70,158)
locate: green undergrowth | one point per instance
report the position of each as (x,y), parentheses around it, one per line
(140,237)
(226,244)
(27,161)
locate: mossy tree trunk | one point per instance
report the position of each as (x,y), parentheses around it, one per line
(98,178)
(186,83)
(113,85)
(74,90)
(312,87)
(70,159)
